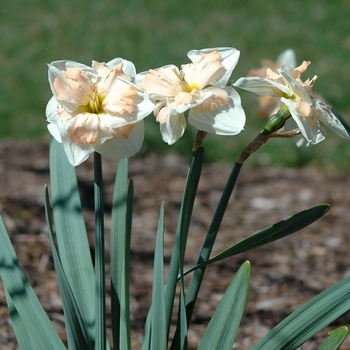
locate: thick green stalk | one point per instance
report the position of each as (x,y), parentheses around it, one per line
(99,256)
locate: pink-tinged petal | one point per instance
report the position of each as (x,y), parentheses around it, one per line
(303,108)
(184,101)
(229,57)
(120,100)
(174,128)
(126,106)
(206,71)
(121,146)
(72,89)
(326,116)
(85,128)
(162,83)
(263,87)
(108,77)
(221,114)
(268,105)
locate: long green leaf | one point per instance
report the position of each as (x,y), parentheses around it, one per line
(158,318)
(120,257)
(335,339)
(182,229)
(76,332)
(71,234)
(222,329)
(23,336)
(309,319)
(23,297)
(270,234)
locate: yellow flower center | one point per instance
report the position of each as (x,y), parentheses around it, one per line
(95,101)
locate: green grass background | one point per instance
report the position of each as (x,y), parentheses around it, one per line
(152,33)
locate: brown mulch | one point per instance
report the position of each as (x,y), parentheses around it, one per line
(285,274)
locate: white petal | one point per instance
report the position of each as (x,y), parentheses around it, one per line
(229,59)
(55,132)
(51,110)
(76,154)
(120,147)
(264,87)
(128,67)
(327,117)
(174,128)
(113,63)
(300,91)
(56,68)
(287,57)
(224,120)
(311,132)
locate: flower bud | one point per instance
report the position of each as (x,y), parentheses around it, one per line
(276,121)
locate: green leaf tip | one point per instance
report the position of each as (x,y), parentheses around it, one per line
(335,339)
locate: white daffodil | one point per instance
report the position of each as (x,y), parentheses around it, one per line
(269,105)
(306,111)
(96,108)
(199,87)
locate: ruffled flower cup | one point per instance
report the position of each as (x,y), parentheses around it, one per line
(96,108)
(307,112)
(199,87)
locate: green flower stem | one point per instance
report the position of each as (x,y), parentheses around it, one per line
(100,322)
(196,280)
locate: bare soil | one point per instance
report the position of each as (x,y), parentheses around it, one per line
(285,274)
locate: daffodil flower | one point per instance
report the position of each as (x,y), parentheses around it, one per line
(96,108)
(199,87)
(306,111)
(269,105)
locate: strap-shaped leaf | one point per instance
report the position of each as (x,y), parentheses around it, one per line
(23,336)
(158,318)
(309,319)
(120,256)
(76,332)
(23,298)
(222,328)
(71,234)
(335,339)
(270,234)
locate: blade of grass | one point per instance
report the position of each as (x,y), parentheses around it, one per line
(309,319)
(335,339)
(71,234)
(76,332)
(182,229)
(158,319)
(222,328)
(23,297)
(269,234)
(120,256)
(100,288)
